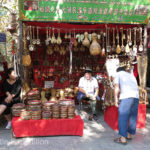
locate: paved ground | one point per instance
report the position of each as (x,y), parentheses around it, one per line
(97,136)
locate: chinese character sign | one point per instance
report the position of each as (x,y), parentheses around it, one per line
(106,11)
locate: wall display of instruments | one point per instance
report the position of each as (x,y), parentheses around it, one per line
(54,51)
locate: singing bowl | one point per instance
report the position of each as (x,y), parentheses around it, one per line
(49,103)
(18,105)
(34,102)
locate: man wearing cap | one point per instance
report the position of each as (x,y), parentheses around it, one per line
(127,99)
(88,89)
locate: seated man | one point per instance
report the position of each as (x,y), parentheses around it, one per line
(88,88)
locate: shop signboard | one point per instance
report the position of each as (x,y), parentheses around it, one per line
(96,11)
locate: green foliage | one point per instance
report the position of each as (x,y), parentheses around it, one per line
(7,6)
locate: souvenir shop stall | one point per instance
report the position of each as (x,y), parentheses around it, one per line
(57,42)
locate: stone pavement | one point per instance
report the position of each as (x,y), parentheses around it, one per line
(97,136)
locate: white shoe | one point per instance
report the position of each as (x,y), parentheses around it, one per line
(8,127)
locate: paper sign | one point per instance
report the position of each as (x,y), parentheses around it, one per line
(48,84)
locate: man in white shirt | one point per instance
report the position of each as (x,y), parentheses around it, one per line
(127,95)
(88,88)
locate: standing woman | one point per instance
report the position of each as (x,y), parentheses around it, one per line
(127,95)
(12,89)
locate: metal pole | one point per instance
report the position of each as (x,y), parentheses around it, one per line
(145,39)
(146,54)
(21,48)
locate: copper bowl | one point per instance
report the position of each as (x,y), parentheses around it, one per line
(16,110)
(71,110)
(46,107)
(16,114)
(66,102)
(25,115)
(55,109)
(63,108)
(36,112)
(34,102)
(55,116)
(45,110)
(63,116)
(55,112)
(26,118)
(34,107)
(46,118)
(71,106)
(18,106)
(46,113)
(36,118)
(69,115)
(49,103)
(56,106)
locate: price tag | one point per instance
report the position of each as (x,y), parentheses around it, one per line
(48,84)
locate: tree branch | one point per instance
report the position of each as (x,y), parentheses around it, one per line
(1,5)
(1,2)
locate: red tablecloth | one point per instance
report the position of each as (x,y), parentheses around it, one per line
(111,116)
(51,127)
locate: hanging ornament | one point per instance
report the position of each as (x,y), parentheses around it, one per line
(75,43)
(13,49)
(95,48)
(86,41)
(59,40)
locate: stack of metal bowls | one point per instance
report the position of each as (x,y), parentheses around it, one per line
(35,109)
(63,111)
(71,111)
(56,111)
(36,114)
(16,109)
(25,115)
(47,109)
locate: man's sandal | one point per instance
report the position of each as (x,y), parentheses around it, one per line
(119,141)
(129,139)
